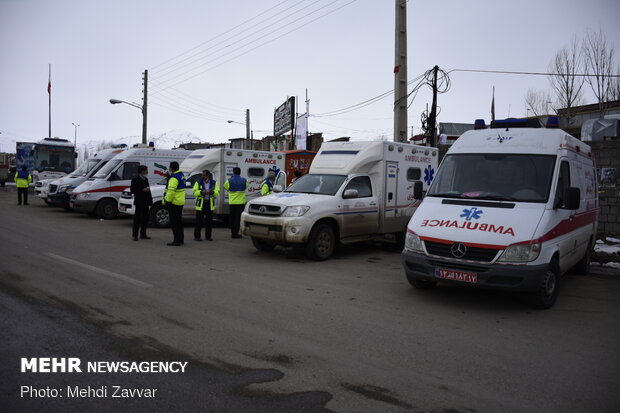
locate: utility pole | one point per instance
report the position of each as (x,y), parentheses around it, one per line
(432,118)
(248,134)
(400,73)
(144,104)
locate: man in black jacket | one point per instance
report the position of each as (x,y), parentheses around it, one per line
(142,201)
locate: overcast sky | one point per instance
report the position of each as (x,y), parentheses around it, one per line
(98,50)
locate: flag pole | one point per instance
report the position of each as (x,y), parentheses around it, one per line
(493,105)
(49,93)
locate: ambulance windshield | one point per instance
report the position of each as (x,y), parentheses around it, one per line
(317,184)
(503,177)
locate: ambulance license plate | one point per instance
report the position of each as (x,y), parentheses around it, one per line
(463,276)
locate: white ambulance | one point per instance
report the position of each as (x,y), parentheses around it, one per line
(99,194)
(511,208)
(59,190)
(220,162)
(355,191)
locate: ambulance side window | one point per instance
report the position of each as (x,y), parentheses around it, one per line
(256,172)
(414,174)
(362,184)
(563,183)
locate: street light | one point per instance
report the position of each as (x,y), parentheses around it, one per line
(142,109)
(75,134)
(248,133)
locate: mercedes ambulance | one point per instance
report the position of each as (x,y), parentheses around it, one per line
(513,207)
(59,190)
(355,191)
(99,194)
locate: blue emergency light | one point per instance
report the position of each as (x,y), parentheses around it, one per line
(479,124)
(553,122)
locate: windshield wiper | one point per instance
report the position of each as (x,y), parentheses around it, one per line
(446,195)
(496,197)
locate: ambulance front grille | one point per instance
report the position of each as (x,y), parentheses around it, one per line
(52,189)
(472,253)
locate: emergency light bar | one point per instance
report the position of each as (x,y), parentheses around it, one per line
(515,123)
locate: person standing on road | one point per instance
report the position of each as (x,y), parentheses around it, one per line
(205,191)
(236,186)
(267,187)
(174,198)
(142,200)
(22,179)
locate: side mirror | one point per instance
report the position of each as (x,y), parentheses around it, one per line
(350,193)
(277,188)
(572,198)
(417,190)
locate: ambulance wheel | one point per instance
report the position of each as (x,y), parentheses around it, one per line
(262,245)
(321,243)
(547,292)
(160,216)
(420,284)
(107,209)
(583,266)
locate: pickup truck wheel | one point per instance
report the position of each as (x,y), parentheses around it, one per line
(262,245)
(107,209)
(420,284)
(160,216)
(321,243)
(547,292)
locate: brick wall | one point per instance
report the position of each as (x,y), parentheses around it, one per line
(607,155)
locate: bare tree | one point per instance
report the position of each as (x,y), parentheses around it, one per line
(566,64)
(599,63)
(538,102)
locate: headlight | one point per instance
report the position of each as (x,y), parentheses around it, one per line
(63,188)
(83,195)
(520,253)
(295,211)
(413,242)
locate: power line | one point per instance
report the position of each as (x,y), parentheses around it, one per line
(167,71)
(507,72)
(200,102)
(219,35)
(190,112)
(264,43)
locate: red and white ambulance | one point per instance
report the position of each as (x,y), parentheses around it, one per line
(512,207)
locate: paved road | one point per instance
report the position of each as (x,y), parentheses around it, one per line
(276,332)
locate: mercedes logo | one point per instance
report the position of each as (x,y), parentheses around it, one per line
(262,209)
(458,250)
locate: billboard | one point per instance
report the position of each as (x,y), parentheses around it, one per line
(284,117)
(301,132)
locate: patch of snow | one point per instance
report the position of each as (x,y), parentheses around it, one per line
(607,249)
(612,264)
(614,240)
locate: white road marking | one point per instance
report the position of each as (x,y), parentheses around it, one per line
(120,277)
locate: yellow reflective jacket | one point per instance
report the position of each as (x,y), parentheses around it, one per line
(175,190)
(22,179)
(236,186)
(199,185)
